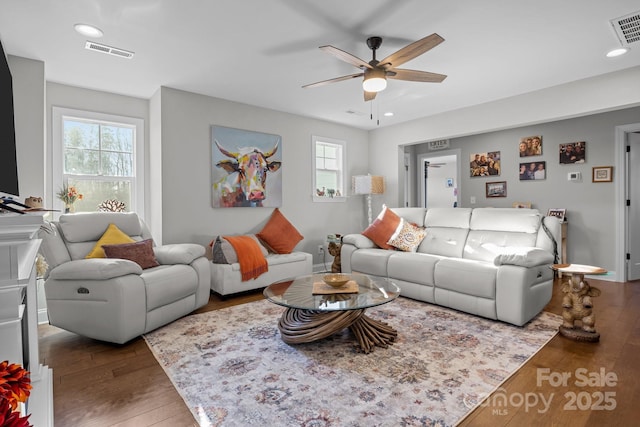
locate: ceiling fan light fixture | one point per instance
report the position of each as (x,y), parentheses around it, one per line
(375,80)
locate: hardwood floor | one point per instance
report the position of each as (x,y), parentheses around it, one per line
(99,384)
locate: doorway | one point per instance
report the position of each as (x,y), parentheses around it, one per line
(438,175)
(627,176)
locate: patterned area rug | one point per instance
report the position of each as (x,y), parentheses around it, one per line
(232,368)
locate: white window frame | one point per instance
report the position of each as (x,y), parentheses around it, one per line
(59,114)
(343,170)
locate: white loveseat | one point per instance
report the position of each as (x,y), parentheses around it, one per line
(112,299)
(226,278)
(491,262)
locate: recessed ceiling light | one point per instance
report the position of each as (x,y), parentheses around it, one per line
(88,30)
(388,114)
(617,52)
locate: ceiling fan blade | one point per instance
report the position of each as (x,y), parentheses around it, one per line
(346,57)
(411,51)
(416,76)
(337,79)
(369,96)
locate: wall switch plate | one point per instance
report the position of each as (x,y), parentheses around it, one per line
(320,249)
(473,200)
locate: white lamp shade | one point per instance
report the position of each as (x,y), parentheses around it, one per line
(368,184)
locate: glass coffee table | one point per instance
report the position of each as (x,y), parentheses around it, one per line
(310,317)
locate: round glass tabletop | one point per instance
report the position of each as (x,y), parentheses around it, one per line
(299,293)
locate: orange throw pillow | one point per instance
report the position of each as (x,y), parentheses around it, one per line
(279,234)
(382,228)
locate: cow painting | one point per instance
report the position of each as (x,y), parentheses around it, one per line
(245,182)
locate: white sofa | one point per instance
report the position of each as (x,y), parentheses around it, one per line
(226,278)
(491,262)
(115,300)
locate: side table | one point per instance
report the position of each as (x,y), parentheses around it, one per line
(334,247)
(577,305)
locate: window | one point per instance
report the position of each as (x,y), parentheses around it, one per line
(98,154)
(329,156)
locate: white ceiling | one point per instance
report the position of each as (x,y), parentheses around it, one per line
(261,52)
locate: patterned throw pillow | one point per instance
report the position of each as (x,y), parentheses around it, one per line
(408,237)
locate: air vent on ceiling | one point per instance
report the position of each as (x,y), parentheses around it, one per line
(627,28)
(97,47)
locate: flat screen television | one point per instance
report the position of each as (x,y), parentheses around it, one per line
(8,160)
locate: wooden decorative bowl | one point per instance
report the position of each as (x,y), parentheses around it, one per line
(336,280)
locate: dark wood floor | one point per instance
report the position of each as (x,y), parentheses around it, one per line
(99,384)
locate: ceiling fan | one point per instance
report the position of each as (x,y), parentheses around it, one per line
(376,72)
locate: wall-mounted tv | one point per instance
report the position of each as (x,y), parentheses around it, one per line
(8,161)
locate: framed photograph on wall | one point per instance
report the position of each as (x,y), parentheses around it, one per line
(496,189)
(558,213)
(530,146)
(533,171)
(602,174)
(484,164)
(573,152)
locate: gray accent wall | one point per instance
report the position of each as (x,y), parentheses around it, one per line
(187,215)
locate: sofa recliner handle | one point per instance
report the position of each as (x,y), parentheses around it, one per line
(83,290)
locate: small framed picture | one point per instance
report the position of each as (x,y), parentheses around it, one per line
(573,152)
(496,189)
(530,146)
(484,164)
(533,171)
(602,174)
(558,213)
(449,182)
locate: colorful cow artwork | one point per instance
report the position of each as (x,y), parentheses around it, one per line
(246,168)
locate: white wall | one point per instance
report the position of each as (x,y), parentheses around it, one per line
(187,214)
(592,220)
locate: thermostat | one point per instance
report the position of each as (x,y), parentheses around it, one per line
(574,176)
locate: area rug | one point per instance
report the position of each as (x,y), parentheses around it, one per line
(232,369)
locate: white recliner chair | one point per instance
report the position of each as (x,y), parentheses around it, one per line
(111,299)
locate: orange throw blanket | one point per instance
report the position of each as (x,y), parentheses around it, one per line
(252,262)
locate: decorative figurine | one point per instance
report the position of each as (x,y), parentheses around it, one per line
(578,306)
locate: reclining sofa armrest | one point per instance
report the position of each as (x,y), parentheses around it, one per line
(524,257)
(95,269)
(178,253)
(359,241)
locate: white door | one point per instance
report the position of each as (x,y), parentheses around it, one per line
(439,178)
(633,223)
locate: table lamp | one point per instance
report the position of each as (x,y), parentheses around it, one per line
(368,185)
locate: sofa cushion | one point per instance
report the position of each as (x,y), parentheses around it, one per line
(112,236)
(407,237)
(444,241)
(485,245)
(382,228)
(505,219)
(224,253)
(86,227)
(167,284)
(412,267)
(139,252)
(468,277)
(95,269)
(448,217)
(279,234)
(371,261)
